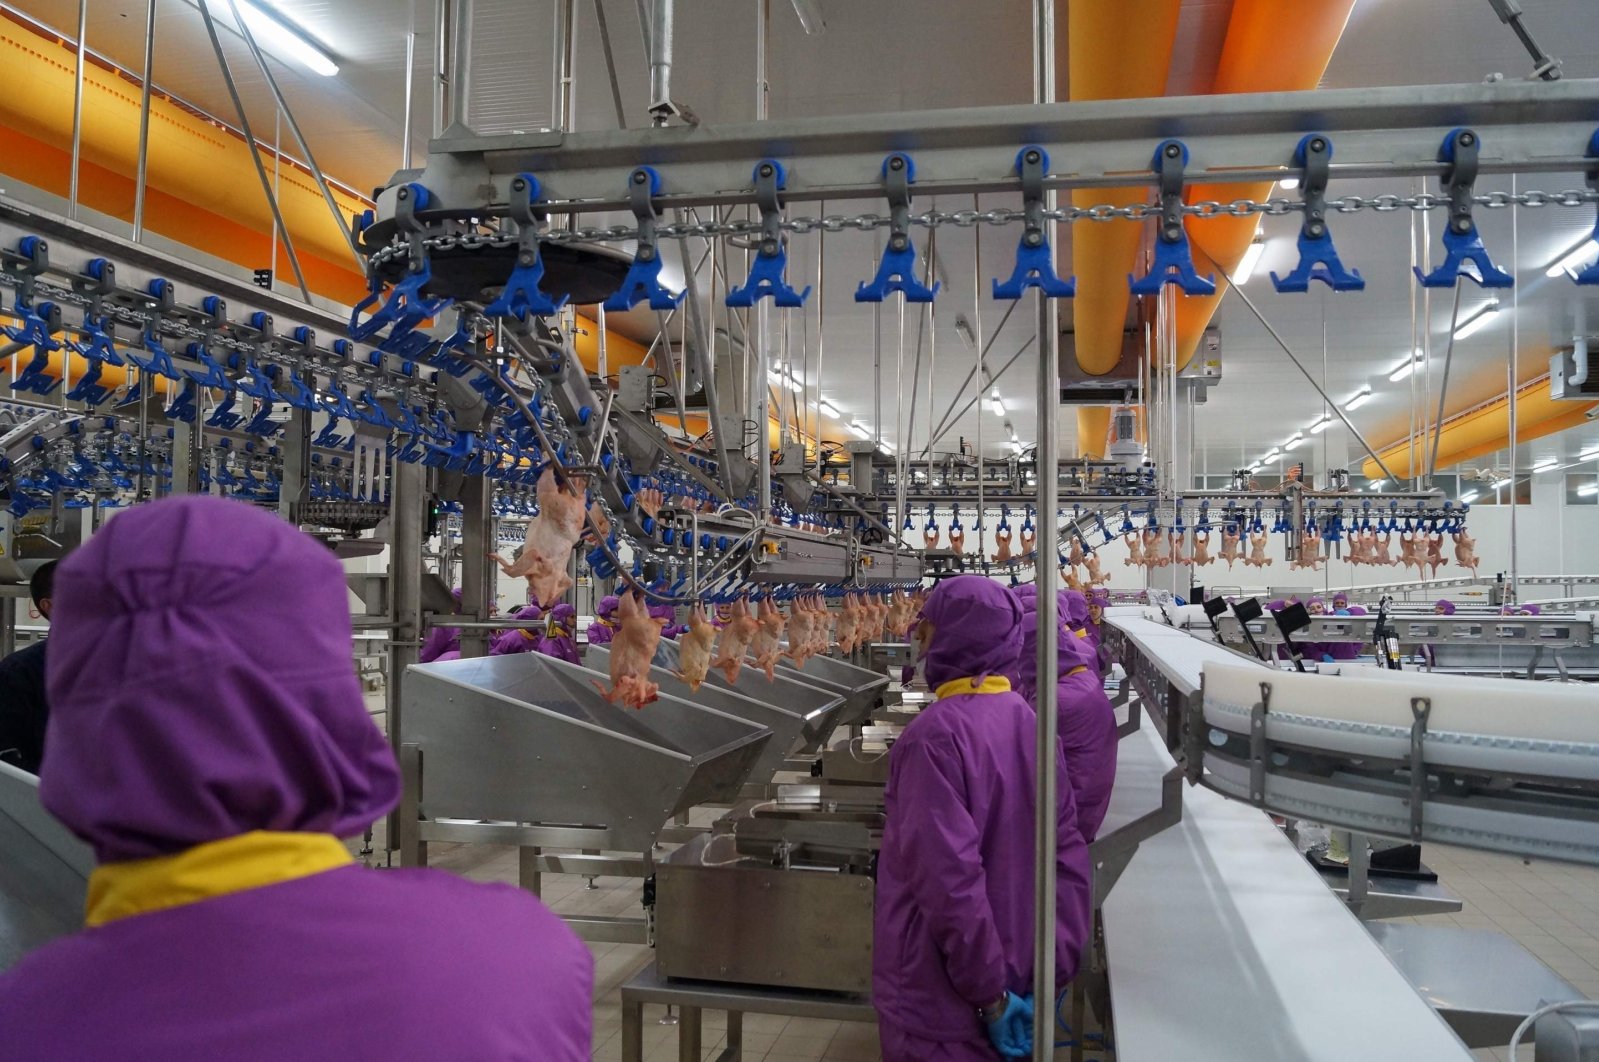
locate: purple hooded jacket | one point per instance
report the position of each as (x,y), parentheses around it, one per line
(954,919)
(669,614)
(603,629)
(255,721)
(515,640)
(1087,720)
(441,640)
(560,635)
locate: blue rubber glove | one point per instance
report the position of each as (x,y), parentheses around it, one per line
(1012,1032)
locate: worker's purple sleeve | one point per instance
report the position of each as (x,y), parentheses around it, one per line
(1074,889)
(949,885)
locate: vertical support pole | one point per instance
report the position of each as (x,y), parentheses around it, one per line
(528,875)
(410,85)
(141,178)
(565,60)
(443,15)
(477,541)
(187,441)
(77,113)
(409,497)
(296,450)
(1513,367)
(1048,454)
(461,63)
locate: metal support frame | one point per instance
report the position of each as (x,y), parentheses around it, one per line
(140,181)
(1386,132)
(405,588)
(252,144)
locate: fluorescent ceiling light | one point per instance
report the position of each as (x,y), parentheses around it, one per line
(1321,425)
(1408,367)
(1545,465)
(827,408)
(1588,453)
(1359,400)
(1502,484)
(1246,265)
(1467,499)
(1270,457)
(1573,258)
(1288,184)
(1376,484)
(783,379)
(1298,438)
(1483,319)
(1016,446)
(886,445)
(1252,469)
(1591,488)
(859,429)
(276,34)
(997,403)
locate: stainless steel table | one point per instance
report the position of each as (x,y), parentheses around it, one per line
(694,997)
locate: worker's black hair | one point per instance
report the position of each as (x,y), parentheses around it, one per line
(42,583)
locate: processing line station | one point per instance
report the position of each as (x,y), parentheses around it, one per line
(682,387)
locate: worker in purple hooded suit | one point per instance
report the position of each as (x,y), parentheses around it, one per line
(442,640)
(603,629)
(952,963)
(1087,726)
(515,640)
(669,614)
(560,634)
(225,918)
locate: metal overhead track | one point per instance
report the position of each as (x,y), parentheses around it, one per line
(1524,127)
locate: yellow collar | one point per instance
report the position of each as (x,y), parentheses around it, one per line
(529,635)
(1081,632)
(603,622)
(1078,669)
(961,686)
(234,864)
(555,630)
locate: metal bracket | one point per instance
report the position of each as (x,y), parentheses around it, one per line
(1174,260)
(1420,709)
(766,275)
(1590,274)
(522,293)
(1318,258)
(1461,239)
(39,326)
(643,280)
(1111,853)
(407,307)
(897,270)
(1035,265)
(1259,749)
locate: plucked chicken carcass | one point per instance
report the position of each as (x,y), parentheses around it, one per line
(632,654)
(1435,552)
(1135,550)
(697,645)
(1202,548)
(1002,541)
(1381,548)
(736,638)
(1257,550)
(1178,557)
(1465,551)
(767,643)
(800,622)
(551,535)
(1232,545)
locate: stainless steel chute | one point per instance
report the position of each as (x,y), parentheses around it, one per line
(861,689)
(44,874)
(528,739)
(799,715)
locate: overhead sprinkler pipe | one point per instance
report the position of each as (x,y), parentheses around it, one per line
(660,36)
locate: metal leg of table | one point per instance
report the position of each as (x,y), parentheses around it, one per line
(528,875)
(735,1037)
(632,1031)
(1359,871)
(688,1035)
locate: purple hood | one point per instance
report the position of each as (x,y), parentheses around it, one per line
(607,606)
(977,630)
(1444,607)
(201,687)
(1074,607)
(565,615)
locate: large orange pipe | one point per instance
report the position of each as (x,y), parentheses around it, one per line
(203,189)
(1102,64)
(1485,430)
(1114,51)
(1271,46)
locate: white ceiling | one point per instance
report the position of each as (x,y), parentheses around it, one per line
(883,56)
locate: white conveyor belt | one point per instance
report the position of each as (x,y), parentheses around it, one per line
(1225,944)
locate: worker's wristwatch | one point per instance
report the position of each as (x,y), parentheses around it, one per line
(995,1010)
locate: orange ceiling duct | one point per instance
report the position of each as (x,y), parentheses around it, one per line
(1114,51)
(203,190)
(1271,46)
(1484,430)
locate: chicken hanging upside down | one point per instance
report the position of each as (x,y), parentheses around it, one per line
(736,638)
(551,535)
(1231,545)
(767,643)
(633,654)
(697,645)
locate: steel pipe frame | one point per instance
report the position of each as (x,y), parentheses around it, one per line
(140,183)
(1542,127)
